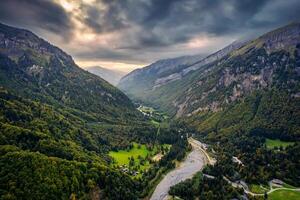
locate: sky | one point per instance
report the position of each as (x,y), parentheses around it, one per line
(129,34)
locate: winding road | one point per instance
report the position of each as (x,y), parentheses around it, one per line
(247,191)
(194,162)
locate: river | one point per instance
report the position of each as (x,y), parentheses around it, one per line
(193,163)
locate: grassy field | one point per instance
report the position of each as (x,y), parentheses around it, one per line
(271,144)
(284,195)
(257,189)
(122,157)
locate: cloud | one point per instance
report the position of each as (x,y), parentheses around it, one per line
(104,19)
(279,13)
(35,14)
(169,22)
(145,30)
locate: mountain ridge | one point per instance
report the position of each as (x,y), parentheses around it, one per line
(183,65)
(184,96)
(47,68)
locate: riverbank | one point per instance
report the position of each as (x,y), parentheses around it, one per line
(193,163)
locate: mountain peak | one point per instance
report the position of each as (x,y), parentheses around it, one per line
(283,38)
(289,29)
(33,68)
(15,42)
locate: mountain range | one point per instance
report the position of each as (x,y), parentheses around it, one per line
(140,83)
(250,75)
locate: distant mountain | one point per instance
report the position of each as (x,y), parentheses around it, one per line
(141,83)
(264,71)
(112,76)
(57,123)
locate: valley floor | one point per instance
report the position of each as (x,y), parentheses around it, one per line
(194,162)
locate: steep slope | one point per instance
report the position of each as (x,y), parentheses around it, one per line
(112,76)
(57,123)
(35,69)
(266,62)
(255,89)
(142,84)
(270,61)
(239,105)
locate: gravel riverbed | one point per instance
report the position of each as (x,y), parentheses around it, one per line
(193,163)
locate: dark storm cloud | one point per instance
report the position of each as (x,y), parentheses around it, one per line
(170,22)
(277,14)
(34,14)
(163,23)
(159,10)
(186,18)
(107,20)
(145,27)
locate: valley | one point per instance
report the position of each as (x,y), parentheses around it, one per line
(193,163)
(73,129)
(220,125)
(242,101)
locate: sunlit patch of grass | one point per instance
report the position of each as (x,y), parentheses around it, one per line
(271,144)
(258,189)
(284,194)
(122,157)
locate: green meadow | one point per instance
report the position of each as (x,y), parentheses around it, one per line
(284,194)
(258,189)
(138,151)
(271,144)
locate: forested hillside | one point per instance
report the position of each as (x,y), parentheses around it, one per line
(35,69)
(58,123)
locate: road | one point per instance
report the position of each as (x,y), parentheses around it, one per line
(194,162)
(247,191)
